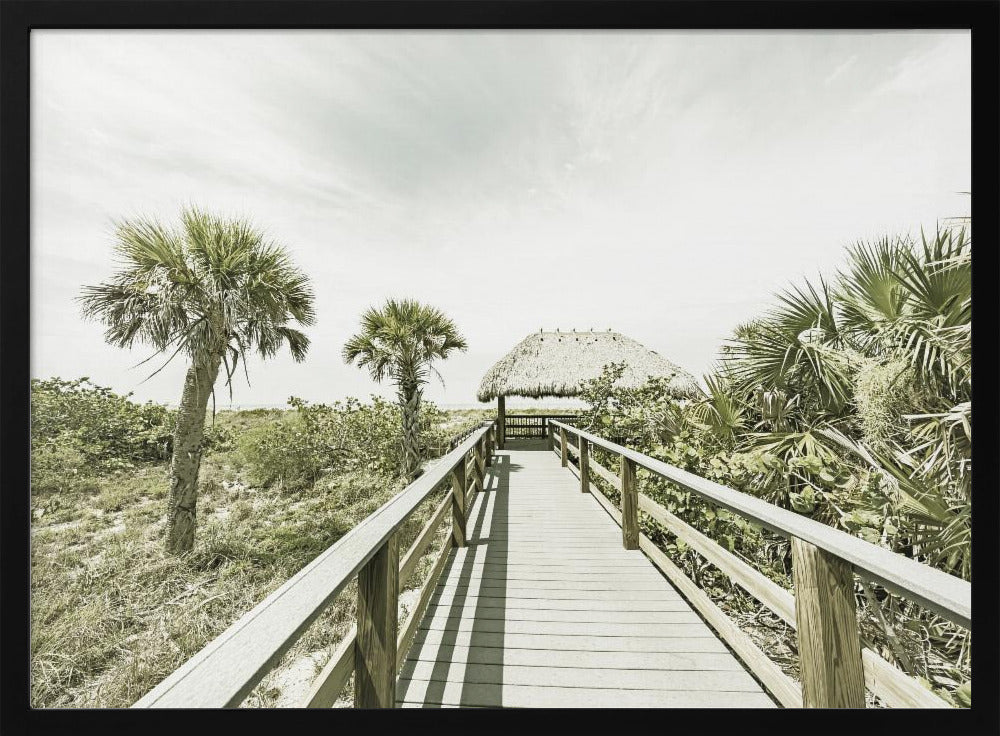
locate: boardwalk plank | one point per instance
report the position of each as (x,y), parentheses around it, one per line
(500,613)
(421,693)
(542,590)
(483,601)
(701,661)
(570,642)
(472,575)
(569,628)
(506,674)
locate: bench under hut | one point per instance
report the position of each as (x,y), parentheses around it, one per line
(556,363)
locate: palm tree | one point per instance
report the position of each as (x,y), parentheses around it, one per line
(400,342)
(214,290)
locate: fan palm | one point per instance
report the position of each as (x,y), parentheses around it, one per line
(214,290)
(400,341)
(721,412)
(797,348)
(901,301)
(938,523)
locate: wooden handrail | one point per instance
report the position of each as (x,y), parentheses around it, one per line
(327,686)
(416,550)
(224,672)
(523,426)
(944,594)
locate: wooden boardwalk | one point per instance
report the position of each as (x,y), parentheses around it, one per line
(545,608)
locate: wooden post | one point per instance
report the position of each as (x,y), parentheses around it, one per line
(458,486)
(563,448)
(630,505)
(827,624)
(483,460)
(584,465)
(477,466)
(375,647)
(551,440)
(501,421)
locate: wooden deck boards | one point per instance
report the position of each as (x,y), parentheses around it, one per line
(545,608)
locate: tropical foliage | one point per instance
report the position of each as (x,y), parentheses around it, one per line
(292,452)
(849,401)
(215,290)
(400,342)
(108,430)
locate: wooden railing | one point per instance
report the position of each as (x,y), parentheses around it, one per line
(446,446)
(526,426)
(834,668)
(223,673)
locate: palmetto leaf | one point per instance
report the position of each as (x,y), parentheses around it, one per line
(795,348)
(940,526)
(871,294)
(790,445)
(721,413)
(935,334)
(900,300)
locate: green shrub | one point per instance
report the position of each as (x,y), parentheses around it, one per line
(218,438)
(283,452)
(296,449)
(106,429)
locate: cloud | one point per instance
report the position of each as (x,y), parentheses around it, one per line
(932,70)
(841,68)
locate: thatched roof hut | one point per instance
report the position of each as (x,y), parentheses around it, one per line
(555,363)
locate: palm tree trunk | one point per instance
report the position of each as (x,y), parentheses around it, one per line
(186,461)
(410,405)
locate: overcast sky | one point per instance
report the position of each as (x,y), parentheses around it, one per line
(663,184)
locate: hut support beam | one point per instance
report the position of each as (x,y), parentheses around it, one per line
(501,421)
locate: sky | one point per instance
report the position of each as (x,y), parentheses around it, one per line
(663,184)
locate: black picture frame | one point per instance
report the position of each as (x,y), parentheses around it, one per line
(18,18)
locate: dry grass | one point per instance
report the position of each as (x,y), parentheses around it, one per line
(112,614)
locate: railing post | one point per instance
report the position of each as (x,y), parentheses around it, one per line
(550,438)
(477,466)
(630,505)
(458,514)
(484,460)
(584,465)
(562,446)
(375,647)
(827,624)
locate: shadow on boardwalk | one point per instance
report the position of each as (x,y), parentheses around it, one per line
(476,592)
